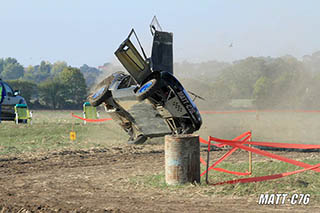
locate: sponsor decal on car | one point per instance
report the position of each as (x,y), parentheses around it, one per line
(185,101)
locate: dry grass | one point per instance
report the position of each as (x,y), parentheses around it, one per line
(50,130)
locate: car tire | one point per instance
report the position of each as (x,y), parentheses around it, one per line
(147,89)
(101,92)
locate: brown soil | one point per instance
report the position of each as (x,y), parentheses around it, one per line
(100,180)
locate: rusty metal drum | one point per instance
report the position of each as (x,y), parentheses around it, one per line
(182,159)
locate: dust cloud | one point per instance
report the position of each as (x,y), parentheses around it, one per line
(283,84)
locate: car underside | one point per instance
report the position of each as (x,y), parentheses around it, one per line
(148,101)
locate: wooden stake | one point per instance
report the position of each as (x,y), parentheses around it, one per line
(250,155)
(208,157)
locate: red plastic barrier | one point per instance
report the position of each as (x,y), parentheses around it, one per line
(236,143)
(261,152)
(267,144)
(231,172)
(221,145)
(91,120)
(224,157)
(203,141)
(248,134)
(202,161)
(268,177)
(284,145)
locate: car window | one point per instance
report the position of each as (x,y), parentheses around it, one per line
(134,57)
(8,89)
(131,59)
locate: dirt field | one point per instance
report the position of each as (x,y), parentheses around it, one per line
(101,180)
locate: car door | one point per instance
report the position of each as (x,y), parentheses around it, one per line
(131,59)
(9,100)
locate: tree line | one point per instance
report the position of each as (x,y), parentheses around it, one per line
(270,83)
(50,86)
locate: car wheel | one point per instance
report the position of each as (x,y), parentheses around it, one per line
(101,92)
(147,89)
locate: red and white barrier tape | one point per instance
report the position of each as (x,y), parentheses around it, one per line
(267,177)
(91,120)
(264,153)
(247,136)
(236,143)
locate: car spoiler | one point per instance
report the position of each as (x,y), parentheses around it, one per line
(162,49)
(162,52)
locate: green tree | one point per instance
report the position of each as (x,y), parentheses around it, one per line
(11,69)
(43,71)
(52,93)
(57,68)
(28,90)
(271,82)
(29,74)
(39,73)
(261,92)
(289,82)
(220,95)
(75,87)
(90,74)
(1,65)
(241,77)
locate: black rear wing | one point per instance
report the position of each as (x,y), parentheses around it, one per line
(162,49)
(162,52)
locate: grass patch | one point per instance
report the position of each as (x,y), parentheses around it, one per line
(306,182)
(155,181)
(50,131)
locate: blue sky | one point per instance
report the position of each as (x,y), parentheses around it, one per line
(88,32)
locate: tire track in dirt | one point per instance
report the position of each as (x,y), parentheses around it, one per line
(99,180)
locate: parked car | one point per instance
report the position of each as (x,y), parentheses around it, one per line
(11,98)
(149,101)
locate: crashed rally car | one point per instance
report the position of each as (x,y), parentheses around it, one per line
(149,101)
